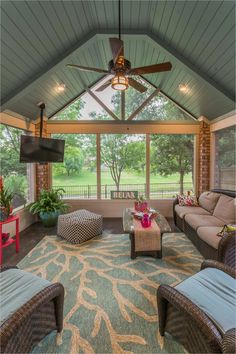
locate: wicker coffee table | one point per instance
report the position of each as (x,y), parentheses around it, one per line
(128,226)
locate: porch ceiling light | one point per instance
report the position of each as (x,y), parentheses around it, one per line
(184,88)
(119,82)
(60,88)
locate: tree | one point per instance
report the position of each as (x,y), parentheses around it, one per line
(10,151)
(85,145)
(119,152)
(172,154)
(159,108)
(136,150)
(73,160)
(71,112)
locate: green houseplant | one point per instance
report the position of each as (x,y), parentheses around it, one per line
(6,198)
(49,206)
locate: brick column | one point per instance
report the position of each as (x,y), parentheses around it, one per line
(42,177)
(204,157)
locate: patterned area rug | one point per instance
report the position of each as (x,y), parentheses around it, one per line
(110,300)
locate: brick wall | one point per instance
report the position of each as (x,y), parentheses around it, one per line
(42,170)
(204,157)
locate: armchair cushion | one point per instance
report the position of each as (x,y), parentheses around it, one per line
(17,288)
(213,291)
(184,210)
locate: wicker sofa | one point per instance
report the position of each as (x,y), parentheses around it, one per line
(31,322)
(201,224)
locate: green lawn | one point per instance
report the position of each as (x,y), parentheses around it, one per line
(88,178)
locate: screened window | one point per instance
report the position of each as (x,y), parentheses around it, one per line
(225,164)
(77,174)
(123,164)
(171,165)
(16,175)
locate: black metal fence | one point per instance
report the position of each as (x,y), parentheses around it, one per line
(157,190)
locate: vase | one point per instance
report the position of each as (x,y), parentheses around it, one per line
(146,221)
(49,219)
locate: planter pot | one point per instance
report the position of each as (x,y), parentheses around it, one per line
(49,219)
(4,214)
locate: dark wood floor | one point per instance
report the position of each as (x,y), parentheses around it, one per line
(34,233)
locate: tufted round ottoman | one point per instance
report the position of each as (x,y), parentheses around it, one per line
(79,226)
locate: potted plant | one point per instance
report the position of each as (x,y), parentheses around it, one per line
(6,198)
(49,206)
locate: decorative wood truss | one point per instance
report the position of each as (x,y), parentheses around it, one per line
(157,91)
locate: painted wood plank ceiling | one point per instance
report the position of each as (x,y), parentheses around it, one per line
(39,37)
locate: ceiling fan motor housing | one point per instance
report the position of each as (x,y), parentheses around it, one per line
(122,65)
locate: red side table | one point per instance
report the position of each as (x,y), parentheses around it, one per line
(11,240)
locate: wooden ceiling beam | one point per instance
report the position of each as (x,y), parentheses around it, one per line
(121,127)
(16,122)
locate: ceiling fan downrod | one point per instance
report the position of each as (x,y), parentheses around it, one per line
(119,17)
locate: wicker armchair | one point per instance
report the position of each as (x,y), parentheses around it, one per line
(33,321)
(183,319)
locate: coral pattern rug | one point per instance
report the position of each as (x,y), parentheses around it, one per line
(110,300)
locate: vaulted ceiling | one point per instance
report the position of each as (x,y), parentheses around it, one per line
(39,37)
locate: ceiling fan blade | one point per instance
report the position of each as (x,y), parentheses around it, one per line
(117,48)
(136,85)
(156,68)
(86,68)
(103,86)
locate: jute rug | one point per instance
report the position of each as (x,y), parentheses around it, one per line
(110,300)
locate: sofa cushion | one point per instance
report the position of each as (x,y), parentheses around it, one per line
(195,221)
(225,209)
(184,210)
(208,200)
(209,235)
(214,292)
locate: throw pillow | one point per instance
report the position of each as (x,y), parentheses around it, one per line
(227,229)
(187,200)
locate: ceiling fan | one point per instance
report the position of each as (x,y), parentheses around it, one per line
(121,67)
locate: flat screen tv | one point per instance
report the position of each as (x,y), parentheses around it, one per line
(42,150)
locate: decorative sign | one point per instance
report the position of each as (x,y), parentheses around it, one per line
(124,194)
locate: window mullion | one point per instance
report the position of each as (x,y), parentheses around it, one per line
(148,166)
(98,140)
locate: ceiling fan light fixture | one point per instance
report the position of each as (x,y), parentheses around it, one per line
(119,82)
